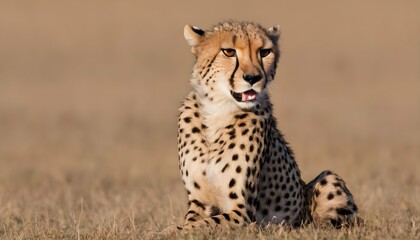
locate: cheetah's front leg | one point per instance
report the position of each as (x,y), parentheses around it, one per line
(226,188)
(225,204)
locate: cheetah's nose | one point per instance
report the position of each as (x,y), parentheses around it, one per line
(252,78)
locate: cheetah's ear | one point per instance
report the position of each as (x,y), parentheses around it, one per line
(274,31)
(193,35)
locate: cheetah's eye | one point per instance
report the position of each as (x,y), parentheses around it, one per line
(265,52)
(229,52)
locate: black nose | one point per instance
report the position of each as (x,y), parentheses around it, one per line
(252,78)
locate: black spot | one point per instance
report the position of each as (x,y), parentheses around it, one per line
(191,212)
(216,220)
(232,182)
(196,114)
(196,185)
(198,203)
(251,148)
(232,145)
(254,170)
(323,182)
(343,211)
(335,222)
(277,208)
(214,211)
(337,184)
(240,206)
(187,119)
(317,192)
(238,213)
(264,211)
(355,208)
(236,221)
(241,116)
(226,216)
(242,146)
(196,130)
(218,160)
(238,169)
(247,157)
(233,195)
(339,192)
(242,124)
(235,157)
(245,131)
(330,196)
(232,132)
(226,166)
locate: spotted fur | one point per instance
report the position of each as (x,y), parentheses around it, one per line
(235,164)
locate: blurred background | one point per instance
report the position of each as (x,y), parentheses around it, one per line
(89,92)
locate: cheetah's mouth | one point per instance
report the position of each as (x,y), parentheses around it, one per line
(247,96)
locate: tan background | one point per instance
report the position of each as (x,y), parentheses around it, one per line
(89,92)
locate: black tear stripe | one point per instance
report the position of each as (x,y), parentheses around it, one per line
(263,70)
(234,71)
(209,66)
(262,65)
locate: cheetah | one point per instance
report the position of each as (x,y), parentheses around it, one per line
(235,164)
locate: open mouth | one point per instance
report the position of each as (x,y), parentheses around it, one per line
(247,96)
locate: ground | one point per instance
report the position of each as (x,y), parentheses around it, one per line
(84,154)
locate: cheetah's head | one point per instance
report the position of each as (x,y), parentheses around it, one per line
(234,61)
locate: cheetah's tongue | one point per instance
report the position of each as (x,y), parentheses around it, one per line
(249,95)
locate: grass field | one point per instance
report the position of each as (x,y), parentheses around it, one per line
(89,93)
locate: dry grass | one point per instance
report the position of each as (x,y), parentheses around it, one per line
(84,154)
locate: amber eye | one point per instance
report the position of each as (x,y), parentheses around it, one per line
(229,52)
(265,52)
